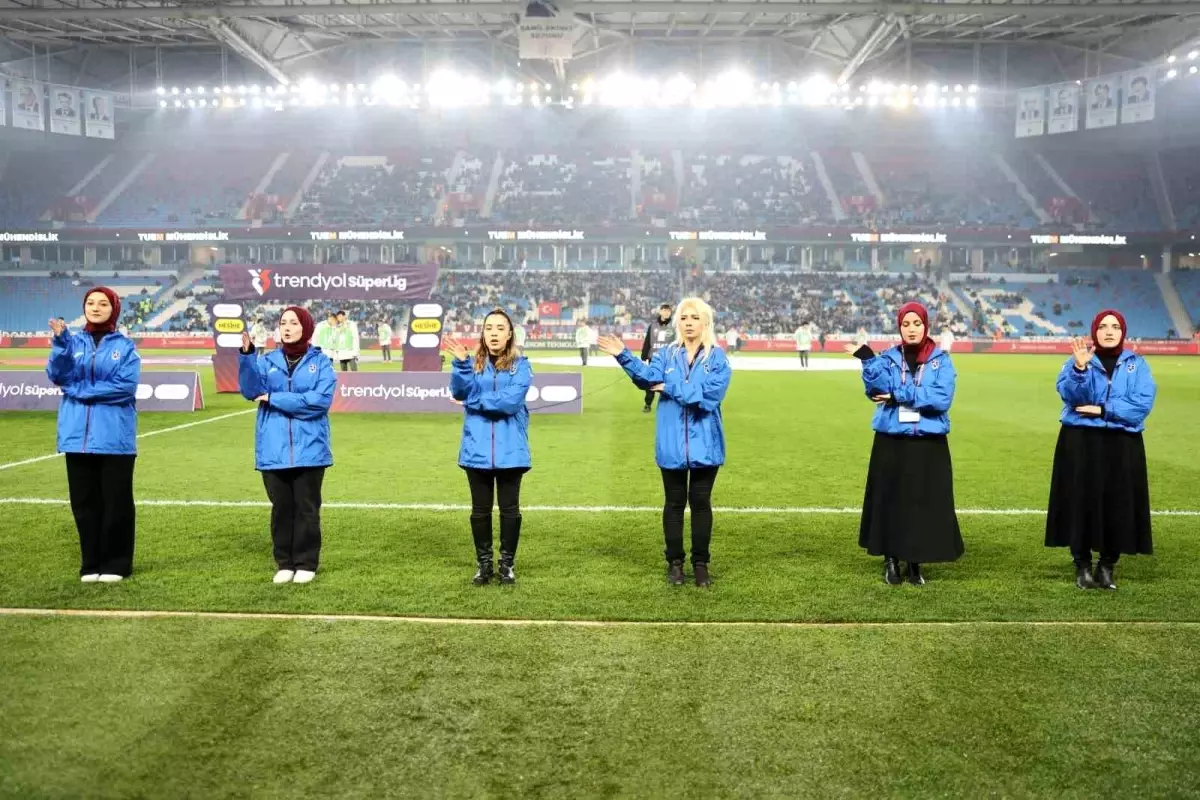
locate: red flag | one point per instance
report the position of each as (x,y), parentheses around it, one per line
(550,309)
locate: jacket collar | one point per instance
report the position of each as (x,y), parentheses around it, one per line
(896,354)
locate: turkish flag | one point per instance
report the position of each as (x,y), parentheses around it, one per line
(550,309)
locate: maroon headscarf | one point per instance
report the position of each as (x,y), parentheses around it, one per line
(299,348)
(113,318)
(1108,351)
(925,347)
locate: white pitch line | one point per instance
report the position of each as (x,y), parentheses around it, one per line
(140,436)
(975,512)
(577,623)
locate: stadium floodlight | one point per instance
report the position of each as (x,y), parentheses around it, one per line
(916,101)
(931,88)
(1192,70)
(179,104)
(914,88)
(956,102)
(160,91)
(792,86)
(162,103)
(1192,56)
(504,86)
(202,103)
(942,102)
(333,87)
(200,90)
(945,89)
(187,90)
(958,87)
(973,88)
(191,103)
(971,103)
(257,103)
(241,89)
(255,89)
(226,89)
(677,90)
(1171,59)
(875,87)
(174,90)
(520,87)
(1171,73)
(453,90)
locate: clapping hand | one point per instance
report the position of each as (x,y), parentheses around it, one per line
(851,348)
(611,344)
(1081,351)
(247,347)
(454,348)
(57,327)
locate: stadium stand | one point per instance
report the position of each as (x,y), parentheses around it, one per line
(187,188)
(393,189)
(30,184)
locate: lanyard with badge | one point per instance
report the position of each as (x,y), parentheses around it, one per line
(908,415)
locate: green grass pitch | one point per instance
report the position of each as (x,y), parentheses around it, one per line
(980,684)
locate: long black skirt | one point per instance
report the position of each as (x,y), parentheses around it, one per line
(908,510)
(1099,493)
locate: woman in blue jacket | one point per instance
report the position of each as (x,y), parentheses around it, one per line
(908,509)
(1099,492)
(691,377)
(98,371)
(293,386)
(491,384)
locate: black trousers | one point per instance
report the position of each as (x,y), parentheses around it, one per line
(491,487)
(101,490)
(350,364)
(1084,557)
(387,352)
(804,358)
(583,354)
(296,515)
(650,398)
(684,487)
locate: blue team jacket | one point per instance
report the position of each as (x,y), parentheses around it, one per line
(1126,399)
(688,431)
(98,412)
(930,392)
(495,433)
(292,427)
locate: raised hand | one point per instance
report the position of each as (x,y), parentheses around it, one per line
(246,345)
(850,348)
(1081,351)
(610,344)
(57,327)
(454,348)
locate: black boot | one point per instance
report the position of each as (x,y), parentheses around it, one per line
(1104,577)
(506,571)
(1083,576)
(675,573)
(702,576)
(510,537)
(914,574)
(481,532)
(891,572)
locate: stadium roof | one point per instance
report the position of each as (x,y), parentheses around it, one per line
(281,37)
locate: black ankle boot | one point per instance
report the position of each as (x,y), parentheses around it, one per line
(675,573)
(1083,576)
(1104,577)
(702,576)
(891,572)
(481,533)
(505,570)
(914,574)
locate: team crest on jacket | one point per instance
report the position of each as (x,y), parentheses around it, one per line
(934,364)
(312,367)
(1132,366)
(116,355)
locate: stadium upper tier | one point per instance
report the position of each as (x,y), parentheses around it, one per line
(756,303)
(560,186)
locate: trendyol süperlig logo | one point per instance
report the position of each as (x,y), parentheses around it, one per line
(261,280)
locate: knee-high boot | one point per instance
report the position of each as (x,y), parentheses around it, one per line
(481,532)
(510,537)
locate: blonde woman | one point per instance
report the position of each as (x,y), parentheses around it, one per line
(491,383)
(691,376)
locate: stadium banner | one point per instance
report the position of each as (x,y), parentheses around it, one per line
(64,110)
(1064,108)
(547,31)
(1031,112)
(429,393)
(31,390)
(1101,97)
(1137,101)
(325,282)
(99,111)
(27,104)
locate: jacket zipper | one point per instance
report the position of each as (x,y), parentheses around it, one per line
(87,425)
(291,443)
(687,450)
(493,423)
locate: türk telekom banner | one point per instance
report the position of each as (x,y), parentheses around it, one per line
(322,282)
(31,390)
(429,393)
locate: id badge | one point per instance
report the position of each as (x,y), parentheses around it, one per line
(908,416)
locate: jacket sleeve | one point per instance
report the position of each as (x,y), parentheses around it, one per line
(644,375)
(1133,408)
(936,392)
(462,379)
(312,404)
(1074,387)
(877,376)
(61,364)
(118,389)
(706,391)
(250,378)
(506,401)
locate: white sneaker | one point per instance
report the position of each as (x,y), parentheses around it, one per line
(110,579)
(304,576)
(95,576)
(284,576)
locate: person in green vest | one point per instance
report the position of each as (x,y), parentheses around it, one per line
(804,339)
(583,338)
(323,335)
(345,342)
(384,332)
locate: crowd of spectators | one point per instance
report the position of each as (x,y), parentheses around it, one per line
(357,191)
(749,189)
(585,188)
